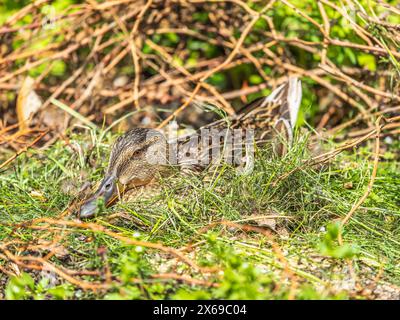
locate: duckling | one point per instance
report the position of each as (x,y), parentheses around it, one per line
(141,154)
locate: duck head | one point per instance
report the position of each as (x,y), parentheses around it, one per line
(135,159)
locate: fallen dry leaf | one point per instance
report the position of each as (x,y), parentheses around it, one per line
(28,102)
(264,221)
(348,185)
(37,194)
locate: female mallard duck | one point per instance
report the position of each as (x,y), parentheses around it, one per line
(140,154)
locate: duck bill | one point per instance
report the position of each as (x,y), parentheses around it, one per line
(106,191)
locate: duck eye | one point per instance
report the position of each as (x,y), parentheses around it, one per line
(137,153)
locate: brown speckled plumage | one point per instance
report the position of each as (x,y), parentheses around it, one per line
(129,152)
(140,154)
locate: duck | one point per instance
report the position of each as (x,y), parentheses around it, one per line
(141,155)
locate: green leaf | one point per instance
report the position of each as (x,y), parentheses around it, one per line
(255,79)
(19,287)
(58,68)
(368,61)
(350,54)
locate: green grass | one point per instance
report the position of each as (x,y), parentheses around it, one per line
(39,182)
